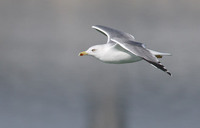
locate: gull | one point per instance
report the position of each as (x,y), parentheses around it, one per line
(122,48)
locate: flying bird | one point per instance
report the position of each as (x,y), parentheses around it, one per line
(122,48)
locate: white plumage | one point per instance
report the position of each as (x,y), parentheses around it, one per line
(122,48)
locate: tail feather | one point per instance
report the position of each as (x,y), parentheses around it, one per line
(159,54)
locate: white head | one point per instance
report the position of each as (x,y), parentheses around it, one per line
(95,51)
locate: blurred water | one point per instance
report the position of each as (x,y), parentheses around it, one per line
(43,83)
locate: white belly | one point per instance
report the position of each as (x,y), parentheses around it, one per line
(120,57)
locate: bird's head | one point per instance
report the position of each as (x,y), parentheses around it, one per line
(93,51)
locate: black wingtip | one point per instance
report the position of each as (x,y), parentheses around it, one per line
(169,73)
(160,66)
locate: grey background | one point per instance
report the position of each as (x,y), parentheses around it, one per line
(44,84)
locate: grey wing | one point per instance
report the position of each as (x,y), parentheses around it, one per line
(111,33)
(138,49)
(127,41)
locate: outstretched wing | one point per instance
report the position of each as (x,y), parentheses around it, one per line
(111,33)
(127,41)
(139,50)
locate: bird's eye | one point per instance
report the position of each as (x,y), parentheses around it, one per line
(93,50)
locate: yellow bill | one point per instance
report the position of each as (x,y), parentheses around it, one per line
(83,53)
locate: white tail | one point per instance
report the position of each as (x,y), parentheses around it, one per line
(159,54)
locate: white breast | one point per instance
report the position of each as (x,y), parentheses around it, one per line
(118,56)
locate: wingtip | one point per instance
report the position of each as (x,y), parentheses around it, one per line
(169,73)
